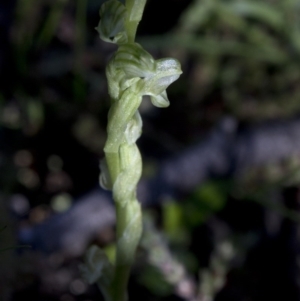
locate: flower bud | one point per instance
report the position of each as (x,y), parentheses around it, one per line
(112,23)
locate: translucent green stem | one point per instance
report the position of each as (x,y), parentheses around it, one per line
(135,10)
(128,237)
(132,73)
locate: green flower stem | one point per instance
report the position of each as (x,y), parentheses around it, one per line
(126,247)
(131,73)
(135,9)
(124,174)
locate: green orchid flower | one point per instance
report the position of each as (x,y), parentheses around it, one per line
(132,73)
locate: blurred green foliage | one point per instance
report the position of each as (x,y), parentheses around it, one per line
(204,202)
(246,53)
(240,57)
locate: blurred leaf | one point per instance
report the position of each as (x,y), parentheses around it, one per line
(206,200)
(172,218)
(152,279)
(253,42)
(196,15)
(35,115)
(51,22)
(219,47)
(265,12)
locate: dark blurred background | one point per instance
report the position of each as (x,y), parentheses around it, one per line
(221,165)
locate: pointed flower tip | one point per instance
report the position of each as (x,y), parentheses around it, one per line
(111,27)
(161,100)
(169,67)
(167,71)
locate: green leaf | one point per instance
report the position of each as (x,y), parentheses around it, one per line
(260,10)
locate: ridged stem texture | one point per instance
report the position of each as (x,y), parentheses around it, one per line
(131,73)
